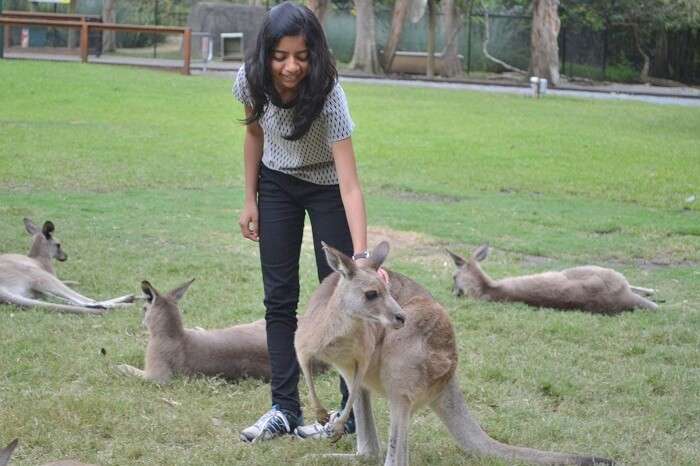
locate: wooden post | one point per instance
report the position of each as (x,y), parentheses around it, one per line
(84,41)
(186,50)
(2,35)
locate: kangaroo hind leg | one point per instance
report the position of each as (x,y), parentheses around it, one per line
(400,416)
(18,300)
(367,439)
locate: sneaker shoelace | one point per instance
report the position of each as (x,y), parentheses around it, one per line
(272,421)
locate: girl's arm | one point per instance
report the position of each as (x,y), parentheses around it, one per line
(252,155)
(351,193)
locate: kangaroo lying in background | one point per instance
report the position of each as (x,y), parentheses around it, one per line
(6,453)
(233,353)
(588,288)
(22,277)
(397,341)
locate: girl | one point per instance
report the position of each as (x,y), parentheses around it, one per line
(298,158)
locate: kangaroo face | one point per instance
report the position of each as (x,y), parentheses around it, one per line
(45,244)
(464,284)
(54,247)
(468,278)
(367,297)
(363,293)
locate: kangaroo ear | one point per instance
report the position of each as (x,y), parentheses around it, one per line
(481,252)
(458,260)
(149,291)
(30,227)
(180,291)
(339,261)
(47,229)
(378,255)
(6,452)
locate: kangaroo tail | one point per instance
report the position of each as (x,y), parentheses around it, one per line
(642,291)
(452,410)
(643,303)
(19,300)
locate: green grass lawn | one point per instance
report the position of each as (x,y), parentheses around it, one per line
(141,172)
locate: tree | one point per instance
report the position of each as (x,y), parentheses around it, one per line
(647,20)
(453,21)
(320,8)
(365,57)
(544,50)
(397,20)
(487,37)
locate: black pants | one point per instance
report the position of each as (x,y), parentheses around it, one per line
(283,201)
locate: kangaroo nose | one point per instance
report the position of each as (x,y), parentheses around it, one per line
(400,320)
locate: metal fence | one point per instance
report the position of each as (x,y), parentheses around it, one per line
(609,53)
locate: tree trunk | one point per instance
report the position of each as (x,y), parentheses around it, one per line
(109,15)
(644,74)
(399,16)
(451,65)
(544,50)
(430,62)
(319,7)
(365,57)
(662,66)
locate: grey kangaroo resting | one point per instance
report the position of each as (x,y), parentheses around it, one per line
(588,288)
(23,278)
(234,352)
(395,340)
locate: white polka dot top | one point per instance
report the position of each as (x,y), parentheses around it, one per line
(308,158)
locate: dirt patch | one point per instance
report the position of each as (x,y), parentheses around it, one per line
(405,245)
(405,241)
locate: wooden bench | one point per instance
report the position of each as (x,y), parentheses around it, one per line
(417,63)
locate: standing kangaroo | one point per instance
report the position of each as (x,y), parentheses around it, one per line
(6,453)
(588,288)
(22,277)
(397,341)
(233,353)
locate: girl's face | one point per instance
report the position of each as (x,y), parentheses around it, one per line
(289,65)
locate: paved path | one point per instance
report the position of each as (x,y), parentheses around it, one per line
(685,96)
(570,92)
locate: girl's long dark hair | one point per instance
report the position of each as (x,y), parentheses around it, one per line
(288,19)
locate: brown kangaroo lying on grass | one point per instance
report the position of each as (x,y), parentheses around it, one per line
(22,277)
(397,341)
(233,353)
(588,288)
(6,453)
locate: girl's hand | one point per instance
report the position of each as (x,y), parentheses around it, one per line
(248,221)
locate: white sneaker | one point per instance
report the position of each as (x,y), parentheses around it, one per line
(272,424)
(318,430)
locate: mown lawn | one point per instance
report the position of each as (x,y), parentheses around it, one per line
(141,172)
